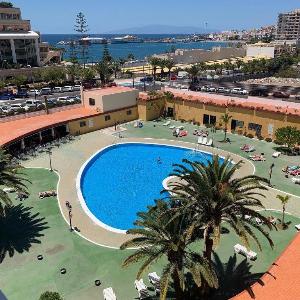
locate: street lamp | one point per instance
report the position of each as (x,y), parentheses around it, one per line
(270,173)
(50,159)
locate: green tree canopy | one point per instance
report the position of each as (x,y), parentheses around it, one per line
(289,136)
(5,4)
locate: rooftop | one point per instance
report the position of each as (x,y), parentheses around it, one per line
(109,91)
(13,130)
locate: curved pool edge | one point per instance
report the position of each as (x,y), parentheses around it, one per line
(82,169)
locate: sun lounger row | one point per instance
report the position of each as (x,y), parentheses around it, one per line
(243,250)
(257,157)
(247,148)
(204,141)
(47,194)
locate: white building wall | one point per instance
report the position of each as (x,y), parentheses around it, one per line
(261,51)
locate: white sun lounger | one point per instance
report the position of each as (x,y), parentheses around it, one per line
(204,142)
(297,226)
(154,278)
(109,294)
(276,154)
(141,288)
(209,143)
(200,140)
(172,127)
(296,180)
(250,149)
(180,127)
(167,123)
(243,250)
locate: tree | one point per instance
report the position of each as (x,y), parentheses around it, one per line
(73,71)
(106,56)
(284,200)
(87,74)
(288,136)
(104,70)
(225,119)
(19,80)
(10,177)
(211,195)
(169,64)
(116,67)
(5,4)
(154,62)
(130,57)
(81,27)
(193,71)
(159,235)
(50,296)
(53,75)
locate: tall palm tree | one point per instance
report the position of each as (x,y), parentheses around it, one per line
(213,195)
(11,176)
(157,237)
(154,62)
(193,71)
(116,67)
(104,70)
(169,64)
(225,119)
(284,200)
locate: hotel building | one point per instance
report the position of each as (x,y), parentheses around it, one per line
(288,26)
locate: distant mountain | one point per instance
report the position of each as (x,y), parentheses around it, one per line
(161,29)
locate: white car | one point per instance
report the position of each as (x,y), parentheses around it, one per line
(33,93)
(212,89)
(223,90)
(239,91)
(76,87)
(31,103)
(67,88)
(63,99)
(5,109)
(17,106)
(57,89)
(45,91)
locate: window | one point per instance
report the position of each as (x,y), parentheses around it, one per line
(82,124)
(107,118)
(253,126)
(129,112)
(91,101)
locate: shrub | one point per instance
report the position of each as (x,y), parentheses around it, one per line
(278,142)
(260,138)
(269,140)
(50,296)
(250,135)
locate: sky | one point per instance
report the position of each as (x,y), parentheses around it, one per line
(58,16)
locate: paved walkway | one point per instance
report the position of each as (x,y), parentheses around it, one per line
(68,159)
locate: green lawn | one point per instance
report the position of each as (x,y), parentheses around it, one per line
(157,130)
(24,277)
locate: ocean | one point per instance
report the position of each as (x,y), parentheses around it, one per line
(139,50)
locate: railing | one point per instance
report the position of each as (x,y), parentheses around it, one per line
(38,113)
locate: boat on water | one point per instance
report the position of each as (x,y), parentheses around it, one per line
(92,40)
(126,39)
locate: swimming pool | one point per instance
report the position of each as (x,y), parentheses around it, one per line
(123,179)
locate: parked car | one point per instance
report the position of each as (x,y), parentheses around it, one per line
(195,87)
(32,93)
(57,89)
(22,93)
(18,107)
(146,79)
(173,77)
(45,91)
(223,90)
(239,91)
(4,110)
(76,87)
(259,92)
(31,103)
(212,89)
(205,88)
(279,94)
(67,88)
(7,96)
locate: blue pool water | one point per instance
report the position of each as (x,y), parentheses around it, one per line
(123,179)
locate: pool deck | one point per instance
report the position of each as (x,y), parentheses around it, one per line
(68,159)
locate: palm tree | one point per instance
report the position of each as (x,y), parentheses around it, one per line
(154,62)
(157,237)
(116,67)
(162,65)
(169,64)
(10,177)
(193,71)
(284,200)
(212,195)
(225,119)
(104,70)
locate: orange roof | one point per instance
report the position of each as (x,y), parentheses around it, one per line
(266,104)
(282,281)
(13,130)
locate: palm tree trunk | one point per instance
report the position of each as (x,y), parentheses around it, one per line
(179,294)
(208,245)
(283,211)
